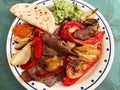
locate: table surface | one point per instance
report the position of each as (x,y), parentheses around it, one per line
(110,10)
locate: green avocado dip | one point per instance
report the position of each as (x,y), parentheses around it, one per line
(63,9)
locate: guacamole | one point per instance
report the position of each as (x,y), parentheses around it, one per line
(63,9)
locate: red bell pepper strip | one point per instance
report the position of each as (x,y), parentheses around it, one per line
(66,26)
(40,73)
(37,44)
(92,40)
(68,81)
(38,32)
(99,47)
(67,35)
(29,64)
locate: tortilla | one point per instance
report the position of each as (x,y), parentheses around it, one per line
(35,15)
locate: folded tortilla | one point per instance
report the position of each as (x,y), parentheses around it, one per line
(36,15)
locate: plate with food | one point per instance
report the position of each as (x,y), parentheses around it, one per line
(59,44)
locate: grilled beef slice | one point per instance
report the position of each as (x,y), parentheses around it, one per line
(53,46)
(91,27)
(29,75)
(90,22)
(49,81)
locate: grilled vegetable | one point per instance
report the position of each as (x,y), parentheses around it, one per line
(23,30)
(40,73)
(88,53)
(75,68)
(20,45)
(22,56)
(37,43)
(29,64)
(67,81)
(88,14)
(18,39)
(52,64)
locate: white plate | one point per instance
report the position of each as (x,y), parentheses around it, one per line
(89,81)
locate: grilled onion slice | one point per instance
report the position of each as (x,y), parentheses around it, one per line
(53,64)
(89,53)
(75,68)
(22,56)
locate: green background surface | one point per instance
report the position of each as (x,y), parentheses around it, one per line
(111,11)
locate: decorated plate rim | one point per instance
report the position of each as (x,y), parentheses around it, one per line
(94,83)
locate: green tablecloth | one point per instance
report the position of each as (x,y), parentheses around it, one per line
(110,10)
